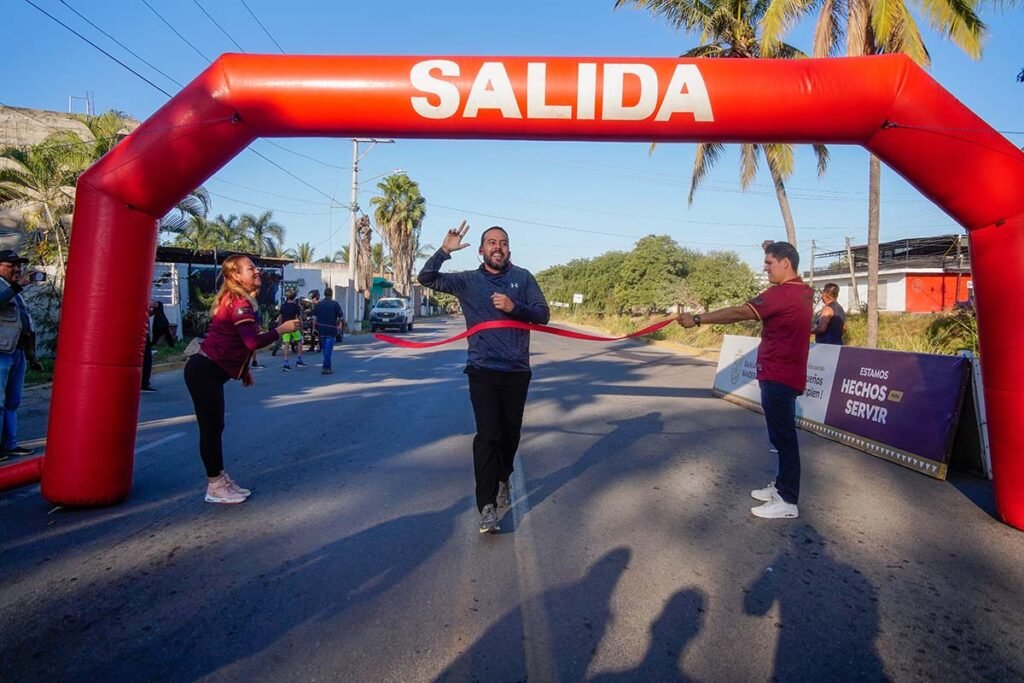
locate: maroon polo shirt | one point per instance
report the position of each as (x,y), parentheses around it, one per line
(234,333)
(785,312)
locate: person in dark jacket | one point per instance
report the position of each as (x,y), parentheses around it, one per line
(161,325)
(232,337)
(159,329)
(498,364)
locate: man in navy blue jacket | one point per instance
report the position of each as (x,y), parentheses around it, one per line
(498,363)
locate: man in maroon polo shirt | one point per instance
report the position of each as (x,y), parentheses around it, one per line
(785,310)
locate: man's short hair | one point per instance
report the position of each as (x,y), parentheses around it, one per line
(784,250)
(290,295)
(493,227)
(832,289)
(328,293)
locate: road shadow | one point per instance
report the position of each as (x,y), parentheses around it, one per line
(674,629)
(575,618)
(827,613)
(233,623)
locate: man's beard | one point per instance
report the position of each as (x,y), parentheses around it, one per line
(496,261)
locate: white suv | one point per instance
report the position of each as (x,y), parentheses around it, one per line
(391,312)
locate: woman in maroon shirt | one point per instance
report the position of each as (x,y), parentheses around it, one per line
(232,337)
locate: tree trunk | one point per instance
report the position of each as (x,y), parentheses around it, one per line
(787,213)
(874,198)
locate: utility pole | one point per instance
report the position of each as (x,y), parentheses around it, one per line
(352,299)
(853,278)
(811,277)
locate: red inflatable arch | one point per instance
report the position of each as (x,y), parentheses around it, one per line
(887,104)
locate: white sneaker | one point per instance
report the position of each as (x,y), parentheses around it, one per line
(776,508)
(234,485)
(765,494)
(220,490)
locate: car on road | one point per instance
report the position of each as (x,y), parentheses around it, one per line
(391,312)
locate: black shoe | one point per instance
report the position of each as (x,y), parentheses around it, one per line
(17,450)
(149,389)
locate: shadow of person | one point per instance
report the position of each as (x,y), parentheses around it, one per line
(677,625)
(828,613)
(303,591)
(613,444)
(562,629)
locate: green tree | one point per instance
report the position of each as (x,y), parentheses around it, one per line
(873,27)
(718,279)
(399,213)
(303,252)
(380,261)
(650,275)
(728,29)
(264,235)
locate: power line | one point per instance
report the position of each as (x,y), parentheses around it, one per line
(306,156)
(203,10)
(168,24)
(262,26)
(99,48)
(304,182)
(122,45)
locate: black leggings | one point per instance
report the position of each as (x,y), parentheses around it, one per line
(205,381)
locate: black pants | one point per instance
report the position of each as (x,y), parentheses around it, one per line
(205,381)
(779,404)
(499,399)
(147,363)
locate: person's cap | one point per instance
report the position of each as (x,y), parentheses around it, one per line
(11,256)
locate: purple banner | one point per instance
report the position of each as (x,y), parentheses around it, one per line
(909,401)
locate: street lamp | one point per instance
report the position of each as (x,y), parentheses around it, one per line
(354,210)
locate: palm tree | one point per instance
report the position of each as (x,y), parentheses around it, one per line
(399,214)
(197,203)
(380,261)
(728,29)
(303,252)
(341,256)
(40,180)
(263,234)
(873,27)
(364,237)
(107,129)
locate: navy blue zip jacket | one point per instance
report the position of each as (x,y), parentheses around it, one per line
(506,350)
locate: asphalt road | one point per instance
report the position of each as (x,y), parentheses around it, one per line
(629,553)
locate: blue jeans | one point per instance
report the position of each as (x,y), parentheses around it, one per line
(12,379)
(779,404)
(327,339)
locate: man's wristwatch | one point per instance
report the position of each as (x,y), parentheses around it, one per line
(696,320)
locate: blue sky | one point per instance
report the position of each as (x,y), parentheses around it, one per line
(559,200)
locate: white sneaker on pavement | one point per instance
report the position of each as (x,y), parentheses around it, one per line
(765,494)
(776,508)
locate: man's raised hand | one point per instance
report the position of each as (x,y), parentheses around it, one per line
(453,239)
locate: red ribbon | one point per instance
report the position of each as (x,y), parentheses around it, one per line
(517,325)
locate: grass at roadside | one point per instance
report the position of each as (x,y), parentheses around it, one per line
(164,354)
(920,333)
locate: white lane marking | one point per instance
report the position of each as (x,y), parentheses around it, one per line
(159,442)
(540,662)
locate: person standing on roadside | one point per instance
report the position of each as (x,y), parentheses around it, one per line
(785,311)
(231,340)
(290,310)
(329,319)
(498,363)
(831,318)
(17,347)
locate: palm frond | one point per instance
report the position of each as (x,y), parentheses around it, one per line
(749,161)
(708,154)
(823,156)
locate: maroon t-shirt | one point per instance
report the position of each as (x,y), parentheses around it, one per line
(233,334)
(785,313)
